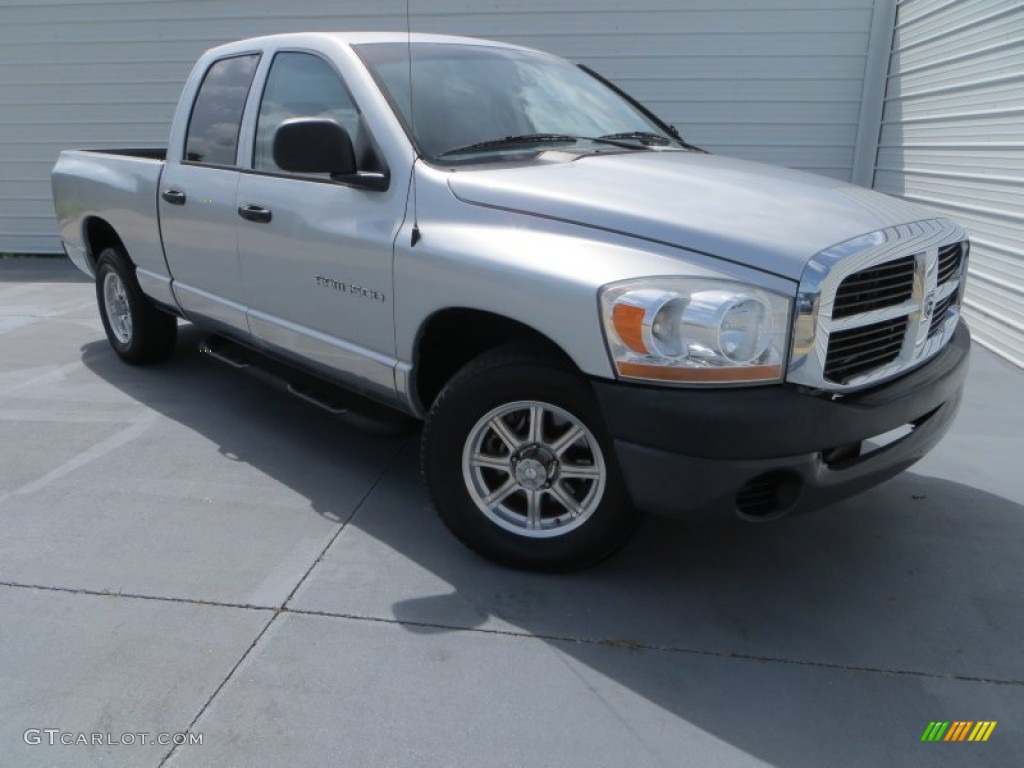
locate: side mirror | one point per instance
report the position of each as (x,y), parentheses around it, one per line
(314,145)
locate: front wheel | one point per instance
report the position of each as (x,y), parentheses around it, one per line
(516,460)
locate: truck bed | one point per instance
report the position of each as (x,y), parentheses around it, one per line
(117,186)
(147,153)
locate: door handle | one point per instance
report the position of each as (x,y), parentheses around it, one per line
(173,196)
(254,213)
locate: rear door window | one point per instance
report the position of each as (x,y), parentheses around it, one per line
(216,119)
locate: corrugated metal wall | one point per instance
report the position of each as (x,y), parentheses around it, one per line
(953,138)
(773,80)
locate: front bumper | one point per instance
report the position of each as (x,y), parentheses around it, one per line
(768,451)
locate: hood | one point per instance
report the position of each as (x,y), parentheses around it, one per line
(769,218)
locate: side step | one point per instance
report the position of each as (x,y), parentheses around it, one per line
(225,350)
(318,399)
(354,409)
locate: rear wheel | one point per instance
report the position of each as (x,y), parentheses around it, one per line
(516,460)
(139,332)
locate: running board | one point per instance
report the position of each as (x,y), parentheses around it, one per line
(225,350)
(310,395)
(350,407)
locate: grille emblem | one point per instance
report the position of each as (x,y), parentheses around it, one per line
(929,304)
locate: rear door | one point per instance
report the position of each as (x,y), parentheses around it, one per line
(198,217)
(317,263)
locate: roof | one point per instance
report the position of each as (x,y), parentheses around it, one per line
(349,39)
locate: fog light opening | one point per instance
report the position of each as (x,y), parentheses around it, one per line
(841,453)
(767,497)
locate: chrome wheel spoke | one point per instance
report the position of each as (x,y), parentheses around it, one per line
(567,501)
(500,463)
(562,444)
(579,471)
(501,429)
(499,495)
(536,424)
(533,518)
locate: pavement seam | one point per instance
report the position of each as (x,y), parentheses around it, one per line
(635,646)
(137,596)
(344,523)
(617,644)
(231,672)
(283,607)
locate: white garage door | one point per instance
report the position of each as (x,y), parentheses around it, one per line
(953,138)
(773,80)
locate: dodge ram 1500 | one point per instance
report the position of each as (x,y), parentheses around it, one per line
(593,317)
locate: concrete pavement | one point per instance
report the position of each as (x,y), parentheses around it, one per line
(185,548)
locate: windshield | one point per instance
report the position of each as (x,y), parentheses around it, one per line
(468,95)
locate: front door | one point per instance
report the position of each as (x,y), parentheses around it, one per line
(316,255)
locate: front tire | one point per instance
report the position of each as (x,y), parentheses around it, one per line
(138,332)
(518,465)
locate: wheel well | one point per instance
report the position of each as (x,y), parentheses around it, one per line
(453,337)
(98,235)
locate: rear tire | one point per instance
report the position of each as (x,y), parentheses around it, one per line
(139,332)
(517,462)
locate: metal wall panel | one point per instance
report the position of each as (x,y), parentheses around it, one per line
(773,80)
(952,137)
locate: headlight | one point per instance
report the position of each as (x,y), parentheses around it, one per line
(695,331)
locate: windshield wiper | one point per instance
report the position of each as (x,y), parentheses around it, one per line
(513,141)
(656,139)
(647,138)
(527,139)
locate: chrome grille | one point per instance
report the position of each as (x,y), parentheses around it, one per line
(949,262)
(858,350)
(876,306)
(875,288)
(939,314)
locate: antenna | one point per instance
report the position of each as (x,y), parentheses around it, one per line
(412,123)
(408,45)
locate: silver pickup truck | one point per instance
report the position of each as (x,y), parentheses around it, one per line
(593,317)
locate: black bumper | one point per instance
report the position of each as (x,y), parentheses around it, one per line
(691,452)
